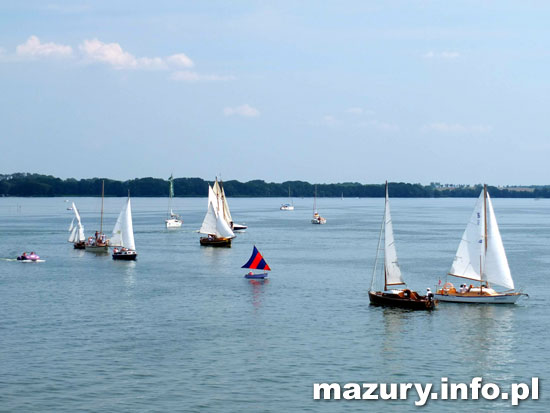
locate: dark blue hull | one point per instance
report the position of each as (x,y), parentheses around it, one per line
(256,276)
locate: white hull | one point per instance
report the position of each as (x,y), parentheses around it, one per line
(173,223)
(482,299)
(25,261)
(239,227)
(287,208)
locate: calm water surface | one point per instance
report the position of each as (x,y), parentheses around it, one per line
(182,330)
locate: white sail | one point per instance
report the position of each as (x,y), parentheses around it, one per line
(496,269)
(223,206)
(73,234)
(222,228)
(393,272)
(209,223)
(71,226)
(468,261)
(123,232)
(77,232)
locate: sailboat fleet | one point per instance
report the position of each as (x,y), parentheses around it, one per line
(480,257)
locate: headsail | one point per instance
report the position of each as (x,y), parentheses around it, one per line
(72,225)
(496,269)
(393,272)
(256,261)
(123,232)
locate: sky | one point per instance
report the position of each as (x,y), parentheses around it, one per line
(347,91)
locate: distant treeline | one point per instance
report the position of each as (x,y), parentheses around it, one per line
(25,184)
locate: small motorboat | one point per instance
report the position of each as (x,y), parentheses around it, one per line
(32,257)
(256,262)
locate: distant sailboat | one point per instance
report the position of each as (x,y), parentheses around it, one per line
(256,262)
(99,243)
(123,235)
(224,207)
(214,225)
(290,205)
(317,219)
(174,220)
(481,257)
(76,235)
(403,298)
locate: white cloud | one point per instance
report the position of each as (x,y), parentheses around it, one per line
(192,77)
(329,120)
(441,55)
(244,110)
(180,59)
(383,126)
(444,127)
(34,48)
(360,111)
(112,54)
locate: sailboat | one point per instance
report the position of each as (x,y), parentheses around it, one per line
(218,233)
(317,219)
(98,243)
(403,298)
(290,205)
(123,235)
(174,220)
(220,193)
(256,262)
(76,235)
(481,257)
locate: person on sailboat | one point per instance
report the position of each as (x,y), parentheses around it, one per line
(429,294)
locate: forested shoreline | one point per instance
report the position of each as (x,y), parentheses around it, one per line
(37,185)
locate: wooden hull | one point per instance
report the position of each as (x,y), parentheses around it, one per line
(101,249)
(215,242)
(79,245)
(393,300)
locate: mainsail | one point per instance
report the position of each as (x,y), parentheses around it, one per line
(468,261)
(256,261)
(223,206)
(479,257)
(393,272)
(123,232)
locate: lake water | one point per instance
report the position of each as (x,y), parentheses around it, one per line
(182,330)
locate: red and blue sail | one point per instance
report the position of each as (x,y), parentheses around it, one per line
(256,261)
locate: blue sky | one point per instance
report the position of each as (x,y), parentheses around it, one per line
(414,91)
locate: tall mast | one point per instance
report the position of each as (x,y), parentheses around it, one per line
(102,196)
(315,200)
(485,223)
(385,211)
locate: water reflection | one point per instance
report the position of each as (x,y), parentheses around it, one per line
(484,337)
(258,288)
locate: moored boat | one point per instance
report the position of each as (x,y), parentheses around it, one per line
(289,206)
(481,258)
(173,220)
(403,298)
(317,219)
